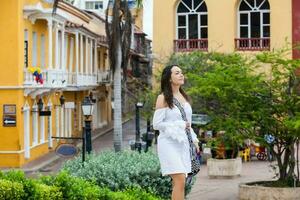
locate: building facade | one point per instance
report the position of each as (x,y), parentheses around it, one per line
(245,26)
(49,63)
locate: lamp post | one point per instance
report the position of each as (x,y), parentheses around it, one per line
(40,105)
(138,144)
(87,109)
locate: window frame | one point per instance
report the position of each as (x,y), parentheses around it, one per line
(248,12)
(186,14)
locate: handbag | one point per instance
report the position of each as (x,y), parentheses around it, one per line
(195,158)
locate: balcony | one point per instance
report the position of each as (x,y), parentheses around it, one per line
(51,78)
(104,77)
(183,45)
(81,79)
(252,44)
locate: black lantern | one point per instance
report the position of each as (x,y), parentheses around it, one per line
(62,100)
(87,107)
(40,104)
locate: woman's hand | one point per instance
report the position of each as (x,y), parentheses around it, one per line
(187,125)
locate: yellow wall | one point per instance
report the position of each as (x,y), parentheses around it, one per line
(10,40)
(222,25)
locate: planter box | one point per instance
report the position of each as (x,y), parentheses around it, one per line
(254,192)
(224,168)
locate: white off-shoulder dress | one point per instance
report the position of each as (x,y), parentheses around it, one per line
(173,145)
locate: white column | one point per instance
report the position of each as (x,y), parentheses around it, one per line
(91,57)
(66,122)
(50,143)
(86,70)
(56,47)
(57,112)
(70,122)
(77,53)
(63,66)
(62,124)
(95,58)
(26,113)
(81,53)
(50,33)
(71,57)
(42,129)
(35,124)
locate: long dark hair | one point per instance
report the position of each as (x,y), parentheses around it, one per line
(166,87)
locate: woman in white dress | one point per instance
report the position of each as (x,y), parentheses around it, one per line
(173,145)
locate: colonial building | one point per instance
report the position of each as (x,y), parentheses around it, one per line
(48,63)
(245,26)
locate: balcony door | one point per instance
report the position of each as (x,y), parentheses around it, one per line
(254,24)
(191,24)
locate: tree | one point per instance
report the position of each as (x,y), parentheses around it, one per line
(118,32)
(243,102)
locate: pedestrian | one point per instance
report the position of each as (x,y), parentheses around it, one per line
(173,145)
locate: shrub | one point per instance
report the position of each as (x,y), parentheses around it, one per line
(11,190)
(19,177)
(121,170)
(72,187)
(45,192)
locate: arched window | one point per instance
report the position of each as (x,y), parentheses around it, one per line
(191,22)
(254,23)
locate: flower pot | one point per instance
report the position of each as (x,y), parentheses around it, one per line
(255,192)
(224,168)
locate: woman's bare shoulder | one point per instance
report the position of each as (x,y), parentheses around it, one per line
(160,102)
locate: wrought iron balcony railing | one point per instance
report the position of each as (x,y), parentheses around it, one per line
(252,44)
(183,45)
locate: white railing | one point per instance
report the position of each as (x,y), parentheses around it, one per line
(104,76)
(29,79)
(82,79)
(59,78)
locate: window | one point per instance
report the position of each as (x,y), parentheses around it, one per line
(25,48)
(254,23)
(94,5)
(191,21)
(34,49)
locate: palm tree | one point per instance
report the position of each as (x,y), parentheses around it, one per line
(118,32)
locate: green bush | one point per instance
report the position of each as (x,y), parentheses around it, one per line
(11,190)
(72,187)
(129,194)
(126,169)
(19,177)
(45,192)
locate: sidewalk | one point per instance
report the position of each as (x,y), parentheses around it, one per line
(227,189)
(102,140)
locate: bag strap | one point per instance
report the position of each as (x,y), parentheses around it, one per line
(183,115)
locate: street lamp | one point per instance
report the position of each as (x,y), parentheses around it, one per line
(138,144)
(87,109)
(40,105)
(62,100)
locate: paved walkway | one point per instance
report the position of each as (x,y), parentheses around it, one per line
(227,189)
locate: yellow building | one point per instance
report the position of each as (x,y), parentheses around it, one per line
(223,25)
(48,63)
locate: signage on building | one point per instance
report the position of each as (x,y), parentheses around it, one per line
(9,115)
(66,150)
(70,105)
(45,113)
